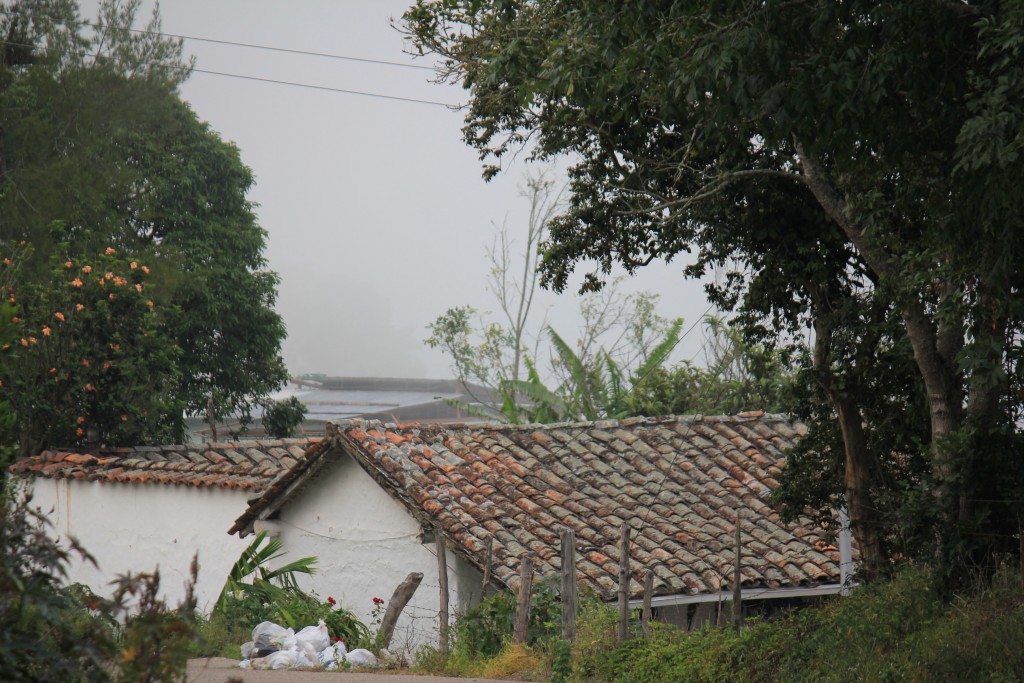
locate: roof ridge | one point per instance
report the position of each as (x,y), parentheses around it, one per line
(745,416)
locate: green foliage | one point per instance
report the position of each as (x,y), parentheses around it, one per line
(898,630)
(281,418)
(90,356)
(250,574)
(849,168)
(97,139)
(254,593)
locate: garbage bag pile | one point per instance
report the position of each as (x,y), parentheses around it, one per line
(276,647)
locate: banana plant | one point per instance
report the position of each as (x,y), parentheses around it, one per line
(250,573)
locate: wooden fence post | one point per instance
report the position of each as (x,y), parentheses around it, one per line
(488,553)
(569,591)
(645,616)
(623,633)
(442,581)
(519,635)
(399,599)
(737,578)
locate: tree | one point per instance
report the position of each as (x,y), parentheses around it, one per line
(89,361)
(281,418)
(858,162)
(592,383)
(186,203)
(97,139)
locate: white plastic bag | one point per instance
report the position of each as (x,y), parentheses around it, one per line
(283,659)
(245,664)
(248,650)
(329,657)
(316,636)
(361,658)
(269,636)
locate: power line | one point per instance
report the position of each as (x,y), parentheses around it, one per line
(272,48)
(275,81)
(320,87)
(254,46)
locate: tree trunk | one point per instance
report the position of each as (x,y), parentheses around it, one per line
(937,375)
(857,459)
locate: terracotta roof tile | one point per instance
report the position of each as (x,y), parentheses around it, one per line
(250,466)
(676,481)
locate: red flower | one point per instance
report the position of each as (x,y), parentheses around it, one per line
(378,601)
(331,601)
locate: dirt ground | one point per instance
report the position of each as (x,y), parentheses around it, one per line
(221,670)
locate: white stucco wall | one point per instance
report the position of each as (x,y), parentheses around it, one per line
(138,527)
(367,544)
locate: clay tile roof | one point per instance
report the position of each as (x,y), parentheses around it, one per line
(249,465)
(677,481)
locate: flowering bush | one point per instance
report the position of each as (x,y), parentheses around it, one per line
(89,360)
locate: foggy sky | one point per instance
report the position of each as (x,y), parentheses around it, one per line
(377,216)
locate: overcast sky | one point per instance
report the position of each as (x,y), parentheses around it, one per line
(378,218)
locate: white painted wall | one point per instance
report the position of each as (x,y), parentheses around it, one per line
(138,527)
(367,544)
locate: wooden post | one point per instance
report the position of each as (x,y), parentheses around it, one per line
(737,578)
(522,625)
(399,599)
(488,551)
(623,633)
(442,582)
(569,592)
(645,616)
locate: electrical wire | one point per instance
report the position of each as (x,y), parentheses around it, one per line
(271,48)
(261,79)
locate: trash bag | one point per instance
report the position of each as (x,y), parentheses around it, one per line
(248,650)
(361,657)
(282,659)
(332,655)
(316,637)
(269,637)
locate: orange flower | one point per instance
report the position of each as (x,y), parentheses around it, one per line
(86,269)
(46,331)
(90,387)
(102,282)
(110,251)
(11,299)
(145,270)
(80,420)
(7,261)
(59,316)
(79,307)
(76,282)
(109,275)
(68,264)
(124,418)
(111,297)
(133,265)
(15,319)
(31,340)
(24,342)
(150,304)
(138,288)
(85,363)
(53,370)
(116,347)
(120,281)
(106,365)
(79,432)
(6,346)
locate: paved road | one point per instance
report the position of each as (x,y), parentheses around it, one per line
(220,670)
